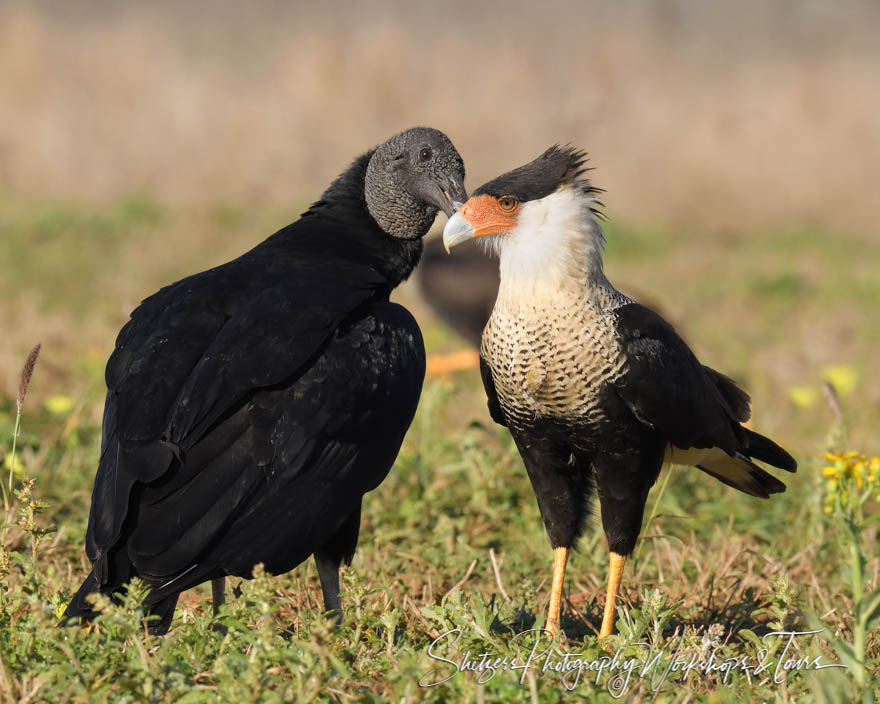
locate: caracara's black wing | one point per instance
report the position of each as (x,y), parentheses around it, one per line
(692,406)
(667,388)
(188,362)
(491,395)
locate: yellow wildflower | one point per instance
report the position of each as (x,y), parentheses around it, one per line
(851,465)
(803,396)
(842,377)
(874,470)
(19,466)
(58,405)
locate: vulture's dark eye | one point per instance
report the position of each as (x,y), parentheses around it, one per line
(425,154)
(508,203)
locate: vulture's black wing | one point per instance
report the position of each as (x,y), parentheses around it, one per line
(277,478)
(191,356)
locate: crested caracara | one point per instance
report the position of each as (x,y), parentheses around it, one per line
(597,390)
(251,406)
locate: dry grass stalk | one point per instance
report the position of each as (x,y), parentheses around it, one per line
(27,372)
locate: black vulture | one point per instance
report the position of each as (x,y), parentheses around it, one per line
(251,406)
(596,389)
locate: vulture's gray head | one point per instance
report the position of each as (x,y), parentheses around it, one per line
(412,176)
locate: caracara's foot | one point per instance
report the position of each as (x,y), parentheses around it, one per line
(615,570)
(445,364)
(551,626)
(554,618)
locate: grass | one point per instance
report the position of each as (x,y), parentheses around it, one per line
(453,539)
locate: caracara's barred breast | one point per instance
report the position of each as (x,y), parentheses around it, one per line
(551,358)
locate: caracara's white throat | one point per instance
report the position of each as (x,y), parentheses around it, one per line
(556,245)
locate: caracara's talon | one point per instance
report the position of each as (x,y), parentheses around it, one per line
(607,629)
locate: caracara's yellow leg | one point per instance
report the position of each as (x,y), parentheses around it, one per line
(615,569)
(445,364)
(560,557)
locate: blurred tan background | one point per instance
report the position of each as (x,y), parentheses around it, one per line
(725,115)
(739,144)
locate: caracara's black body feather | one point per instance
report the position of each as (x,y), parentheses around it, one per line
(251,406)
(667,389)
(495,410)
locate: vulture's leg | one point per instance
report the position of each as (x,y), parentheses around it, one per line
(615,570)
(218,598)
(340,548)
(328,571)
(218,593)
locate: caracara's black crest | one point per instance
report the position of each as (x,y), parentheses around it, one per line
(539,178)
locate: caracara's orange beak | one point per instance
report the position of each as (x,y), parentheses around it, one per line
(481,215)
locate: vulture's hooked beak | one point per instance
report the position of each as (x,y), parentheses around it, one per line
(454,195)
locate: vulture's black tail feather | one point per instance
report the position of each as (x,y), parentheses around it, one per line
(164,609)
(80,609)
(79,606)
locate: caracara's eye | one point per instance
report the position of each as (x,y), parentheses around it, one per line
(425,154)
(508,203)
